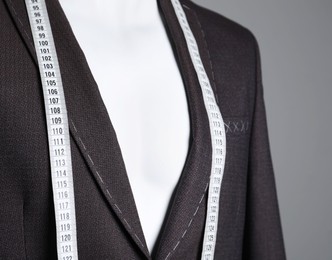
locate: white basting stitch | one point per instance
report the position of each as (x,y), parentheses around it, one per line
(107,191)
(196,211)
(74,127)
(127,223)
(236,126)
(101,179)
(168,255)
(115,205)
(228,127)
(191,221)
(202,197)
(139,240)
(91,159)
(176,245)
(109,194)
(189,224)
(206,187)
(82,143)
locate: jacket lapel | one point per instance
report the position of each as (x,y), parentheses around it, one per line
(89,123)
(185,219)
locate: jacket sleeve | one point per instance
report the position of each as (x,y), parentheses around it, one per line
(263,239)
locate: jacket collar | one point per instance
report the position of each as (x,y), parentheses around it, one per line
(92,130)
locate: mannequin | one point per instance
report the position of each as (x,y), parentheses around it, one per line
(134,39)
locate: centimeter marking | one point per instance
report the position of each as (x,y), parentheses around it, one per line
(57,128)
(218,137)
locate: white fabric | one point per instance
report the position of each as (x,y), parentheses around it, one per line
(129,54)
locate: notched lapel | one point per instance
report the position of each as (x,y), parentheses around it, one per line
(89,122)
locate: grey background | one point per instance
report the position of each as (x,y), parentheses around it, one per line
(295,38)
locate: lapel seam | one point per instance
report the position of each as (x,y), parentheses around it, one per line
(110,198)
(189,224)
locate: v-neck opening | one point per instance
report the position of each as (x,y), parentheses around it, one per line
(198,149)
(72,38)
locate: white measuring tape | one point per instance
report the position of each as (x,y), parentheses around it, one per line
(57,128)
(59,141)
(218,137)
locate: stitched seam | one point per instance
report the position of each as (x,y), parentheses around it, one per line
(241,126)
(20,22)
(103,184)
(189,224)
(214,85)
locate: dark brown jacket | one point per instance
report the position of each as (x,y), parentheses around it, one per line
(107,220)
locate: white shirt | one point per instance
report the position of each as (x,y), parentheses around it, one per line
(132,61)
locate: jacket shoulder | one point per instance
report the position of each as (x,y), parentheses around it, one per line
(230,52)
(221,26)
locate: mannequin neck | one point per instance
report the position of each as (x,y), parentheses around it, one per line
(118,13)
